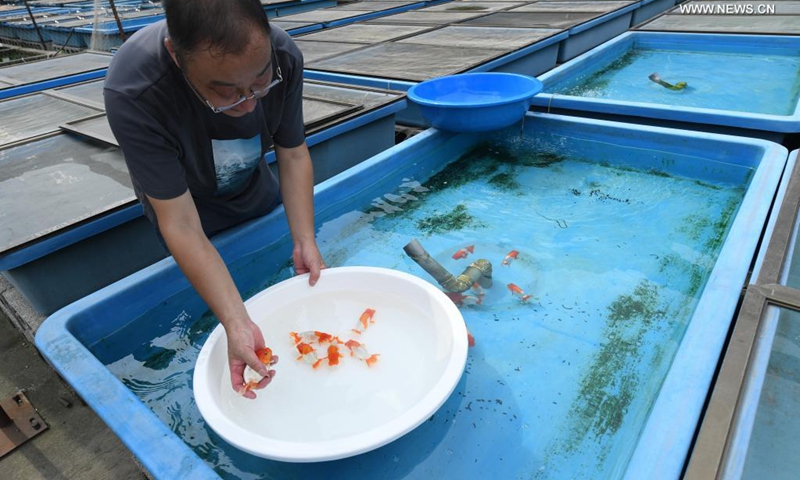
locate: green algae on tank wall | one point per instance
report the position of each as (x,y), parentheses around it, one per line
(599,80)
(454,220)
(505,181)
(609,387)
(641,304)
(160,358)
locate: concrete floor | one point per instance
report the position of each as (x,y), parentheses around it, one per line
(77,445)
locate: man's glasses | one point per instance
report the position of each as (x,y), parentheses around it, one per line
(242,98)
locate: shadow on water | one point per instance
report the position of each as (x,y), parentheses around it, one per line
(453,443)
(395,460)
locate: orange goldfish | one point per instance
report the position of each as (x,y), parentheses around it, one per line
(512,255)
(364,320)
(333,355)
(464,252)
(264,355)
(518,292)
(360,352)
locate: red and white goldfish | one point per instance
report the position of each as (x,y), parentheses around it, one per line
(518,292)
(464,252)
(252,378)
(312,336)
(308,354)
(303,337)
(509,259)
(364,320)
(360,352)
(460,299)
(250,385)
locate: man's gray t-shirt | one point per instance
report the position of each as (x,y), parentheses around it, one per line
(172,142)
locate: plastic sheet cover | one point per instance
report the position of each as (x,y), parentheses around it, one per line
(26,117)
(375,6)
(91,91)
(54,68)
(428,18)
(325,15)
(313,51)
(318,110)
(535,20)
(56,182)
(605,7)
(362,33)
(96,127)
(505,39)
(347,94)
(475,7)
(406,61)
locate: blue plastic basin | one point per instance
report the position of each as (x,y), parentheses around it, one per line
(475,102)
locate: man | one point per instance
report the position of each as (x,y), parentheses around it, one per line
(195,102)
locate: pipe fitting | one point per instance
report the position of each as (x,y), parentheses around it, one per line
(479,271)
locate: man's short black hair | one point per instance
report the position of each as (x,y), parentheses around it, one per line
(223,26)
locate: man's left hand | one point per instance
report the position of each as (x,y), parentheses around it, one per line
(307,259)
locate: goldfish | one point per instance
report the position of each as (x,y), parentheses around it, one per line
(253,378)
(477,289)
(264,355)
(333,355)
(364,320)
(512,255)
(308,354)
(464,252)
(312,336)
(518,292)
(250,385)
(360,352)
(460,299)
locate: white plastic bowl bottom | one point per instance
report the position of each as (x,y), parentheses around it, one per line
(307,414)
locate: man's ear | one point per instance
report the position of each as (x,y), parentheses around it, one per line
(171,50)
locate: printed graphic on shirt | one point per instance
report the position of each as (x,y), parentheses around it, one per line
(234,161)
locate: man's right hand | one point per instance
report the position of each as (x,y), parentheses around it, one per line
(244,338)
(200,262)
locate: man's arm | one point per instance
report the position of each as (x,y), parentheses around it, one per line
(297,190)
(180,226)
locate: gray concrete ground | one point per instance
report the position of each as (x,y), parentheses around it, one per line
(77,445)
